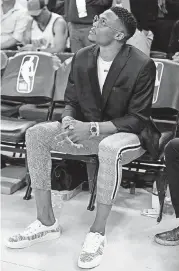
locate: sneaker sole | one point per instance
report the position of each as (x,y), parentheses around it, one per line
(28,243)
(89,265)
(166,243)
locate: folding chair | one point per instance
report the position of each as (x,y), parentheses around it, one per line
(165,113)
(38,112)
(28,78)
(166,116)
(60,86)
(165,106)
(7,108)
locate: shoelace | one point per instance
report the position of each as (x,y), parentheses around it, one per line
(92,243)
(32,228)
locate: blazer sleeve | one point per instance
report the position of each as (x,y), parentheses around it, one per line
(70,97)
(139,108)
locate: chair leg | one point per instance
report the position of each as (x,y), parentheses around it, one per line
(162,188)
(91,206)
(161,210)
(29,189)
(132,187)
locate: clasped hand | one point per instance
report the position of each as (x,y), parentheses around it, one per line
(76,131)
(176,57)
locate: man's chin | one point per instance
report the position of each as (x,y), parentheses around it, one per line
(92,37)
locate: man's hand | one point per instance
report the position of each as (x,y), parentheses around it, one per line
(27,47)
(176,57)
(78,131)
(162,6)
(66,121)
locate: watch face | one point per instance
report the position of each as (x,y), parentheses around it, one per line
(94,129)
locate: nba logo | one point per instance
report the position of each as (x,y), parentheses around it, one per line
(159,73)
(26,76)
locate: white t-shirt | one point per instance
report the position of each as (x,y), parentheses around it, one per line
(103,69)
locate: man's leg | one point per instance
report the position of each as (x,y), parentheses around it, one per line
(84,35)
(172,169)
(114,151)
(171,238)
(40,141)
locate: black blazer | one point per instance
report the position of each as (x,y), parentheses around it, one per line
(127,93)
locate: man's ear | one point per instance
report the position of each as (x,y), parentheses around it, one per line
(120,36)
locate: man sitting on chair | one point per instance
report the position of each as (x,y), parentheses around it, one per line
(108,106)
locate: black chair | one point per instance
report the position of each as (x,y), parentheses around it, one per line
(60,86)
(165,113)
(8,109)
(38,112)
(28,78)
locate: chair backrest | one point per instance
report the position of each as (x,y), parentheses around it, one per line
(10,53)
(4,60)
(166,93)
(29,77)
(62,80)
(64,56)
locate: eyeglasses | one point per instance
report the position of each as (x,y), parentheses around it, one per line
(102,22)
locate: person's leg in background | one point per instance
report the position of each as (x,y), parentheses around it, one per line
(84,35)
(75,37)
(78,36)
(171,238)
(114,151)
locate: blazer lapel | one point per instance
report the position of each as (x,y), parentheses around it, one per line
(93,76)
(116,68)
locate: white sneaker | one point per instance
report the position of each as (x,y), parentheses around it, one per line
(35,233)
(92,250)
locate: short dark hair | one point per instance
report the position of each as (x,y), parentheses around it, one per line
(127,19)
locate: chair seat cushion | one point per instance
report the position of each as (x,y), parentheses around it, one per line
(9,110)
(13,130)
(33,112)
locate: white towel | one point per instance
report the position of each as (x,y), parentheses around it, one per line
(81,7)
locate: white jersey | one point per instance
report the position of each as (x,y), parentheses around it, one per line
(44,38)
